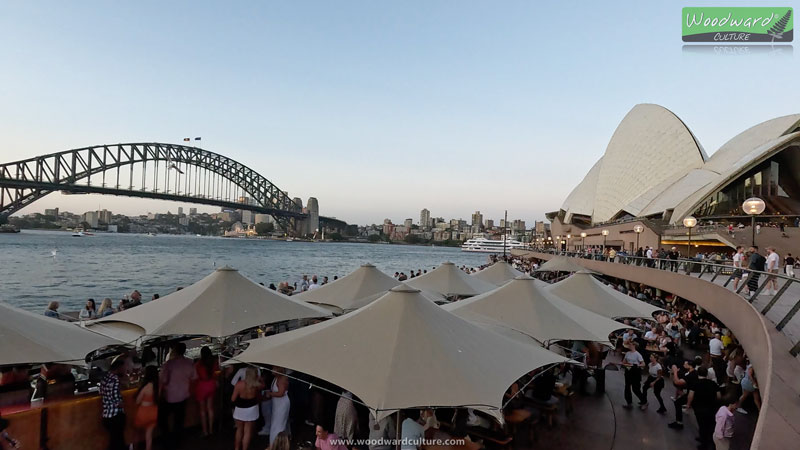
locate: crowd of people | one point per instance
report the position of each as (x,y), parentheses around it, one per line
(684,346)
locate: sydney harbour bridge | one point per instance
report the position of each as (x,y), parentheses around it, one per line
(151,170)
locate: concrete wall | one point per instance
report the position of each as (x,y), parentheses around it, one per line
(777,371)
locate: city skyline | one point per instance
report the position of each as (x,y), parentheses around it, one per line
(409,107)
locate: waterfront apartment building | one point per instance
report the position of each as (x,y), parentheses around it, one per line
(424,219)
(407,223)
(477,220)
(192,211)
(51,213)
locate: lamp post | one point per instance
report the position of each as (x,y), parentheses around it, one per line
(583,241)
(605,235)
(638,230)
(753,206)
(689,222)
(558,241)
(568,238)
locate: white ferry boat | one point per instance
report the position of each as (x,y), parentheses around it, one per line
(484,245)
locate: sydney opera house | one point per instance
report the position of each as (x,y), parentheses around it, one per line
(654,173)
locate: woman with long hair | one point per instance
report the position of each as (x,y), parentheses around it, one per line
(245,412)
(205,387)
(279,393)
(106,308)
(281,442)
(89,311)
(147,411)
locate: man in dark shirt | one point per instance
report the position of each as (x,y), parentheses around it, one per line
(111,399)
(673,255)
(757,262)
(684,380)
(703,397)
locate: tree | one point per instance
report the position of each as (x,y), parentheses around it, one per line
(336,237)
(264,228)
(374,237)
(412,239)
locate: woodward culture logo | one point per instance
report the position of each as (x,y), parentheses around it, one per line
(756,24)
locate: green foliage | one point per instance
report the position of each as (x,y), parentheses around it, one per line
(264,228)
(336,237)
(374,237)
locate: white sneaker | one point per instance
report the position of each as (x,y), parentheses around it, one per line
(741,411)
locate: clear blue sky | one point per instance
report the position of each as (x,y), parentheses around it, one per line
(379,109)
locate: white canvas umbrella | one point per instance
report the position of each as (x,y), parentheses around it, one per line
(584,290)
(221,304)
(525,306)
(28,338)
(560,264)
(359,288)
(498,273)
(449,280)
(403,351)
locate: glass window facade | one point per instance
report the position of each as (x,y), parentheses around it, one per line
(776,181)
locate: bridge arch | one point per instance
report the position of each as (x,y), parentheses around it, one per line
(162,171)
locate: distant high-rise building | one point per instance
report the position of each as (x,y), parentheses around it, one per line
(502,223)
(104,216)
(477,220)
(91,218)
(248,217)
(263,218)
(192,211)
(424,219)
(518,226)
(312,221)
(180,210)
(51,212)
(407,223)
(489,224)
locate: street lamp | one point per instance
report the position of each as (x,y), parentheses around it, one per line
(689,222)
(753,206)
(568,238)
(638,230)
(583,241)
(605,235)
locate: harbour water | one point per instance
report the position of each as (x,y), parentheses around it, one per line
(39,266)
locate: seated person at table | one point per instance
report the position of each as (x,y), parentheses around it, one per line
(411,431)
(651,335)
(515,411)
(543,387)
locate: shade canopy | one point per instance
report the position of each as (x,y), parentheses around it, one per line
(560,264)
(359,288)
(498,273)
(221,304)
(584,290)
(403,351)
(525,306)
(449,280)
(28,338)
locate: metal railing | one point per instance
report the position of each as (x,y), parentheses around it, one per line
(700,267)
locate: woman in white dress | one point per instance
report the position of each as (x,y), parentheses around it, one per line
(279,393)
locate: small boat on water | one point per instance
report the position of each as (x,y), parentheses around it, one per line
(8,228)
(78,234)
(151,234)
